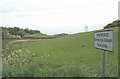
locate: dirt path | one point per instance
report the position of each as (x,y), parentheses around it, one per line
(17,41)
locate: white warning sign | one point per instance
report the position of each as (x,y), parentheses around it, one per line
(104,40)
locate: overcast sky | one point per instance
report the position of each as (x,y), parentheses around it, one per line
(58,16)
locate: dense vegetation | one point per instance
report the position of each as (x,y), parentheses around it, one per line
(16,31)
(61,34)
(113,24)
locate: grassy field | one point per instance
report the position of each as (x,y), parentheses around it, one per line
(68,56)
(39,36)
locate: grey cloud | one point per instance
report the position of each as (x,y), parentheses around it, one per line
(8,6)
(24,15)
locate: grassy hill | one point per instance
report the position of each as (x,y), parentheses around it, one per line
(68,56)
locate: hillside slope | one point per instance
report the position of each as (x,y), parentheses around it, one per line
(68,56)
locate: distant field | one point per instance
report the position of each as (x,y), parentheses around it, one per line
(68,56)
(39,36)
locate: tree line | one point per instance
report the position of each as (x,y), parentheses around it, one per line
(16,31)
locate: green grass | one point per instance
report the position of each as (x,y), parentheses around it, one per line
(39,36)
(68,56)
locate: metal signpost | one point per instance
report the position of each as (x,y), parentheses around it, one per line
(119,10)
(104,40)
